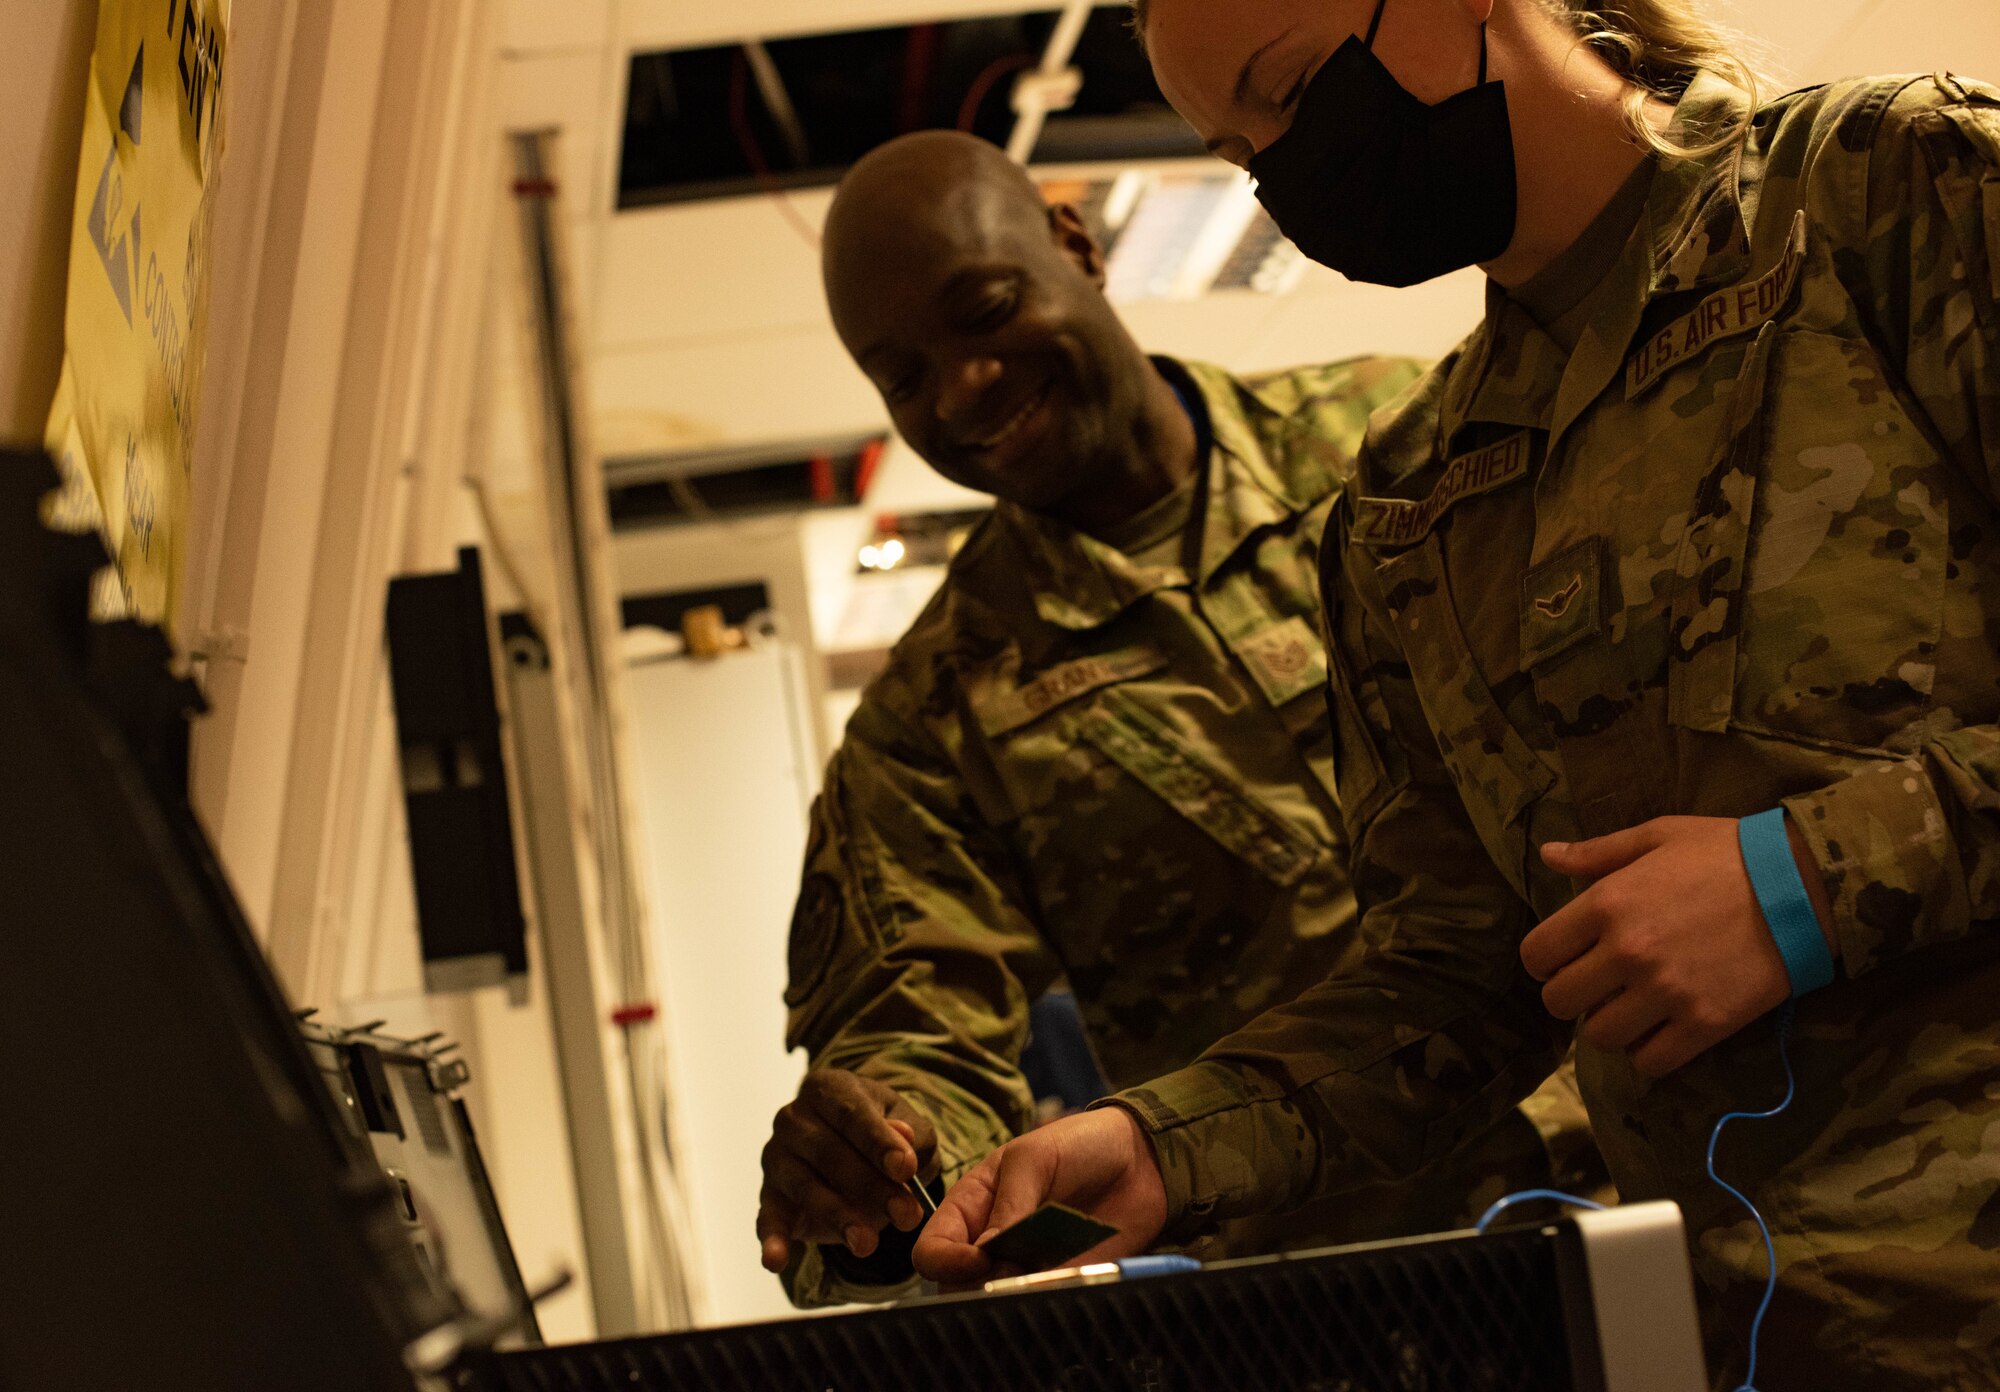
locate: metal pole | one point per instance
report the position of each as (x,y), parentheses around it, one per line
(778,101)
(1031,100)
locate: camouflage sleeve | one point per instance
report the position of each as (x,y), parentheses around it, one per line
(1910,849)
(1327,406)
(913,955)
(1361,387)
(1437,1033)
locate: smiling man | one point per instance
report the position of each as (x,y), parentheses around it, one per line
(1101,753)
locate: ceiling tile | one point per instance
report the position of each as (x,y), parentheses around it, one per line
(697,270)
(787,385)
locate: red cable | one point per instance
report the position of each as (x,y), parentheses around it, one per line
(864,469)
(982,85)
(739,120)
(919,54)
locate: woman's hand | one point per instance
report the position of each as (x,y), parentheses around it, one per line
(1097,1161)
(1666,954)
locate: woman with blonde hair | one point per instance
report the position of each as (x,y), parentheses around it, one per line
(1663,622)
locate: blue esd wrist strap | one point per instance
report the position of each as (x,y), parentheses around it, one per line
(1781,893)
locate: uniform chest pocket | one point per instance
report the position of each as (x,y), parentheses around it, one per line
(1498,775)
(1810,585)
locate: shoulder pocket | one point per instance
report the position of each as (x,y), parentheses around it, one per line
(1199,789)
(1809,592)
(1968,189)
(1708,614)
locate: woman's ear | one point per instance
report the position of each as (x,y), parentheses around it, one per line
(1072,238)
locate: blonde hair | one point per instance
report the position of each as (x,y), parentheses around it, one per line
(1659,46)
(1656,45)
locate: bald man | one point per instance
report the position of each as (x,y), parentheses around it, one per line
(1101,753)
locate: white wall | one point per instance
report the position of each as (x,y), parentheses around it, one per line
(262,459)
(1916,36)
(1814,40)
(357,204)
(44,65)
(723,774)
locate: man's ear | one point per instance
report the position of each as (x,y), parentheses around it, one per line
(1072,238)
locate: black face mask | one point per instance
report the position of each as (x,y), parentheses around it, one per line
(1375,184)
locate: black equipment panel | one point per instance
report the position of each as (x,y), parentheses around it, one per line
(455,779)
(183,1208)
(1451,1314)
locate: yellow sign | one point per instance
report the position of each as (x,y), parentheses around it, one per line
(123,424)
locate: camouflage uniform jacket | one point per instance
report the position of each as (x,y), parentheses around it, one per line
(1076,767)
(1739,549)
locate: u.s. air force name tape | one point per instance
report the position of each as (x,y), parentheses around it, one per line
(1740,309)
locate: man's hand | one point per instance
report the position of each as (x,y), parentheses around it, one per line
(838,1166)
(1666,954)
(1096,1161)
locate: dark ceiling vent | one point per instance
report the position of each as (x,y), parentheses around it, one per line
(658,490)
(795,113)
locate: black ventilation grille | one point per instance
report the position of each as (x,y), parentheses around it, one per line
(427,1107)
(1453,1315)
(704,487)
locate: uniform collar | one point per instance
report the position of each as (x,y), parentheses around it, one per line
(1694,237)
(1079,582)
